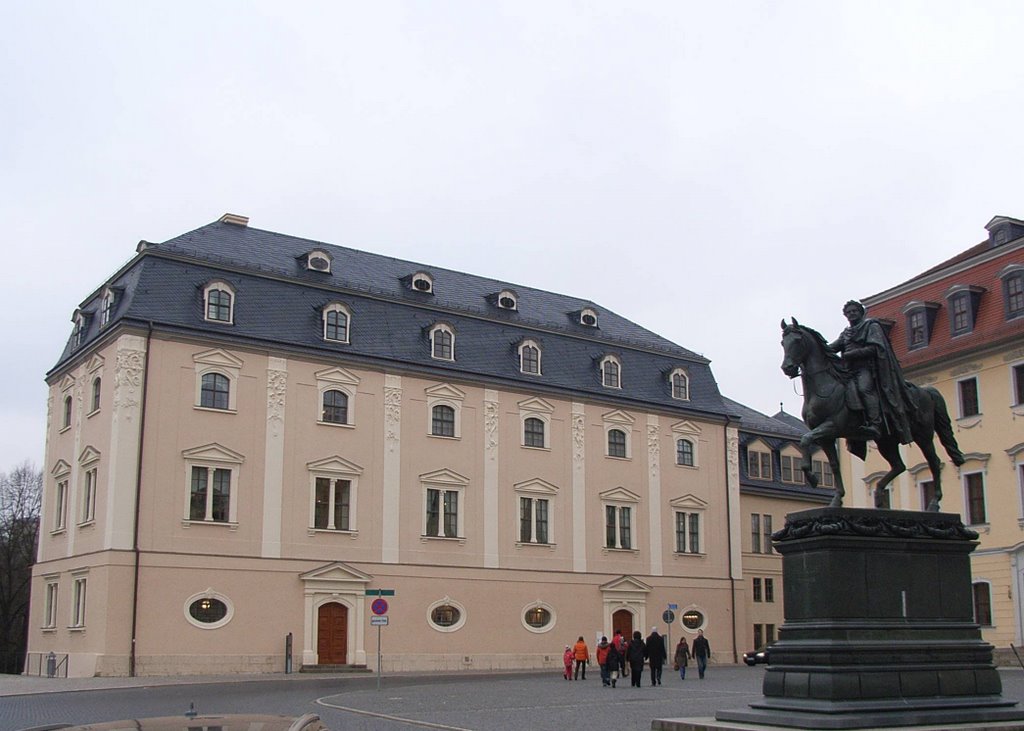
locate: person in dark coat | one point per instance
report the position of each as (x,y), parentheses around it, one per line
(636,653)
(701,653)
(682,658)
(614,660)
(620,644)
(656,655)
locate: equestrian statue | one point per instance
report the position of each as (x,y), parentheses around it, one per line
(854,388)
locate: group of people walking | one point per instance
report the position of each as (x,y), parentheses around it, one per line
(614,656)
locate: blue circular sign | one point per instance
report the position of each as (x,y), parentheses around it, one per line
(379,606)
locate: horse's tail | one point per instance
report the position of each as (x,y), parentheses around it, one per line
(944,426)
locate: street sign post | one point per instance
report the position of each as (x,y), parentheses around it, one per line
(379,607)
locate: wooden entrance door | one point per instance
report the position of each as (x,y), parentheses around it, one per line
(332,634)
(622,620)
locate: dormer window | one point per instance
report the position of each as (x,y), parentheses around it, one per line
(336,322)
(920,318)
(680,383)
(423,282)
(318,261)
(78,332)
(1013,290)
(106,307)
(588,317)
(963,308)
(219,302)
(442,342)
(507,300)
(611,371)
(529,357)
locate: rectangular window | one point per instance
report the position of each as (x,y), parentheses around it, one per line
(533,520)
(769,634)
(618,531)
(50,608)
(333,503)
(759,465)
(918,329)
(757,589)
(1018,384)
(78,603)
(758,637)
(982,604)
(442,513)
(927,493)
(961,315)
(540,509)
(687,532)
(791,471)
(755,533)
(89,497)
(823,471)
(975,485)
(60,512)
(1014,295)
(769,590)
(525,519)
(768,548)
(210,498)
(969,405)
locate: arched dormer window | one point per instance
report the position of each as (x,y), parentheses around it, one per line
(422,282)
(336,323)
(319,260)
(611,372)
(529,358)
(81,324)
(588,317)
(680,382)
(219,302)
(507,300)
(106,307)
(442,342)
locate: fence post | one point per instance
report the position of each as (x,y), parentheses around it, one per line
(51,664)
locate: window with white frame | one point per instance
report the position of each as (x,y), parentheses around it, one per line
(927,491)
(335,407)
(823,471)
(446,615)
(106,307)
(536,502)
(97,385)
(219,302)
(215,391)
(529,358)
(611,372)
(588,317)
(60,505)
(217,374)
(982,595)
(1017,378)
(78,594)
(337,396)
(620,508)
(756,590)
(443,513)
(791,461)
(444,410)
(422,282)
(88,508)
(684,452)
(442,421)
(680,383)
(535,419)
(686,438)
(688,533)
(66,420)
(759,461)
(50,605)
(618,429)
(534,433)
(442,342)
(319,260)
(967,391)
(334,484)
(974,498)
(212,484)
(78,330)
(507,300)
(336,323)
(617,443)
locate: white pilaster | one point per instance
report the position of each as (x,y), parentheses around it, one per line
(732,480)
(122,473)
(654,493)
(392,473)
(491,479)
(273,476)
(579,490)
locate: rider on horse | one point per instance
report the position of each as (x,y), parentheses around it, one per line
(877,374)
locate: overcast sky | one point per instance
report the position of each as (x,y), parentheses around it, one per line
(703,169)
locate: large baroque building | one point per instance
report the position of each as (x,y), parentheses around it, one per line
(250,433)
(960,327)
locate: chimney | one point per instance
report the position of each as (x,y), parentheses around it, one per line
(234,219)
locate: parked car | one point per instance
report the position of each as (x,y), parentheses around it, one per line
(756,657)
(194,722)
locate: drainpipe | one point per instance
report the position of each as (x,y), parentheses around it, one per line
(138,501)
(728,533)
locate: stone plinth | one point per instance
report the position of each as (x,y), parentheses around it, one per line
(879,627)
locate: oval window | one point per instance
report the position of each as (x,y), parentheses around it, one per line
(507,303)
(589,319)
(319,263)
(692,619)
(538,617)
(423,285)
(445,615)
(208,610)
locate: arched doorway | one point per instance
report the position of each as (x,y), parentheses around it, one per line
(332,634)
(622,620)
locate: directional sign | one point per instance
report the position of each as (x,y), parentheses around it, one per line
(380,592)
(379,606)
(668,616)
(674,607)
(378,622)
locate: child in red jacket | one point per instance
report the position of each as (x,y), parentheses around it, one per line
(567,659)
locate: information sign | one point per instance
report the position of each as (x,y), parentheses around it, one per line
(378,622)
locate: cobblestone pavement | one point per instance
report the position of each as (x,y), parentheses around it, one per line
(465,702)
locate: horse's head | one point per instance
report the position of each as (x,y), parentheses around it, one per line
(794,347)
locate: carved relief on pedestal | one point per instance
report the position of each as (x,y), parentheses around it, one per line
(277,382)
(392,417)
(653,450)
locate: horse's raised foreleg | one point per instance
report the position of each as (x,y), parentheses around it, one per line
(889,448)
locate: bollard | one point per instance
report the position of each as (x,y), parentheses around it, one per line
(288,653)
(51,665)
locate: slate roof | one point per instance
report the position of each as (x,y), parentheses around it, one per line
(279,303)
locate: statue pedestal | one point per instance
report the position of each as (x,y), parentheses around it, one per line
(879,628)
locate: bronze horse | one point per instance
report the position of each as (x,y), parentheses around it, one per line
(826,381)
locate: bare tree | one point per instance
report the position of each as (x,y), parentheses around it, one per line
(20,496)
